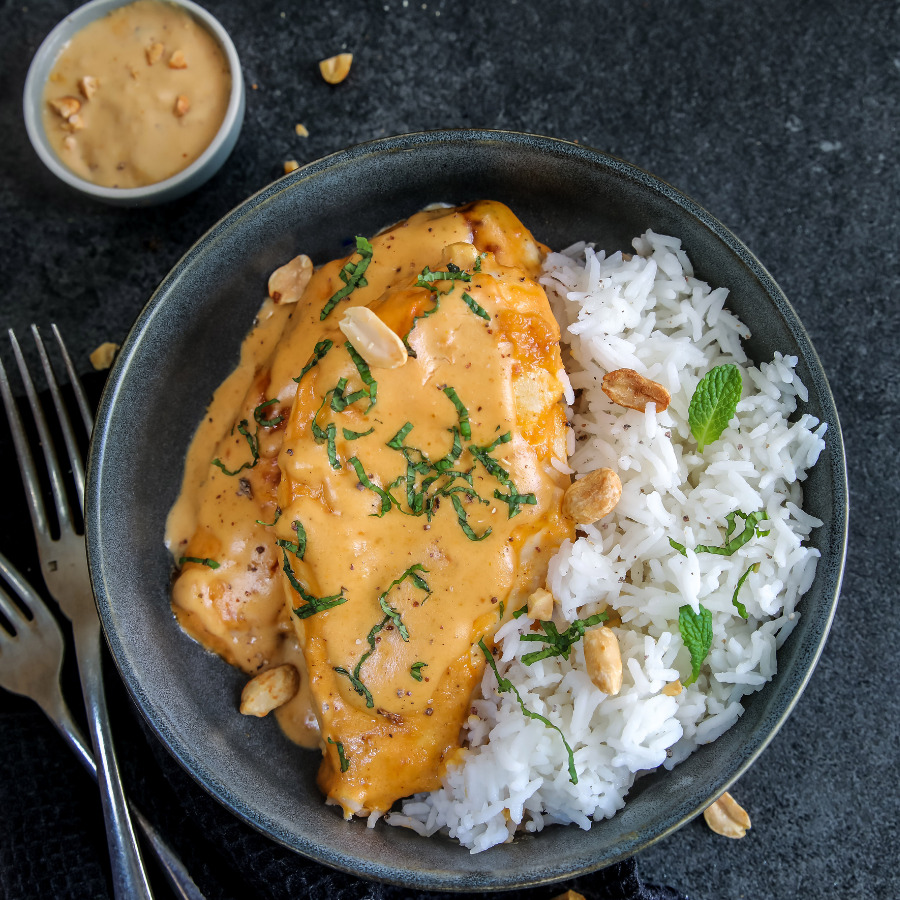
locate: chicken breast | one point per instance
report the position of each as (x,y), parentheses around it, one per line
(418,503)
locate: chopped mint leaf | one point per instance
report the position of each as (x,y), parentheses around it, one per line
(416,670)
(345,763)
(203,561)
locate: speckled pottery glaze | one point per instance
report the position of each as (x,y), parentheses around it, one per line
(186,341)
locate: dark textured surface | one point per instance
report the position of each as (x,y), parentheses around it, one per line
(780,119)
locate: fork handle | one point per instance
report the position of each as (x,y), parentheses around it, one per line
(178,877)
(128,875)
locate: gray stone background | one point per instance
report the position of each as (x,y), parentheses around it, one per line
(779,118)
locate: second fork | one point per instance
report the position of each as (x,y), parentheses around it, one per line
(65,571)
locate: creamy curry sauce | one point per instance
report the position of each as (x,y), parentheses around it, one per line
(136,96)
(380,608)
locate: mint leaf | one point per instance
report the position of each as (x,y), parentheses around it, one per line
(416,670)
(696,632)
(714,403)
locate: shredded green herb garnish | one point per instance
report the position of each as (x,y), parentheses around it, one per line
(504,685)
(252,441)
(477,266)
(751,529)
(464,427)
(274,521)
(742,610)
(396,442)
(326,435)
(521,611)
(428,312)
(502,609)
(464,521)
(352,276)
(358,686)
(313,604)
(416,670)
(364,373)
(298,547)
(515,500)
(321,348)
(345,763)
(478,310)
(386,499)
(261,420)
(696,632)
(412,574)
(203,561)
(559,644)
(355,435)
(453,273)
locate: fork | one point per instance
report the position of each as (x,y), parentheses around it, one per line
(30,662)
(64,567)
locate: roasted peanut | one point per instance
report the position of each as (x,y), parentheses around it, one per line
(672,689)
(65,106)
(630,389)
(336,68)
(87,85)
(154,53)
(269,690)
(73,123)
(290,165)
(104,355)
(374,341)
(177,60)
(301,130)
(182,105)
(593,497)
(540,605)
(727,817)
(287,283)
(570,895)
(603,659)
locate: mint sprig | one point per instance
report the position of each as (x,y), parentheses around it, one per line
(714,403)
(696,632)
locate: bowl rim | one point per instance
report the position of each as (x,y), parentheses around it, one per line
(42,62)
(405,142)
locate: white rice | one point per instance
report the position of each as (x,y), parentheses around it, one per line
(647,313)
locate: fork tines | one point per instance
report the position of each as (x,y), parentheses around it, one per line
(17,426)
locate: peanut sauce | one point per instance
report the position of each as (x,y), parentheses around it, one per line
(389,730)
(136,96)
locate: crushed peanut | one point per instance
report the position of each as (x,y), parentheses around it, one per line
(603,659)
(540,605)
(65,106)
(632,390)
(69,143)
(727,817)
(177,60)
(154,53)
(73,123)
(301,130)
(269,690)
(374,341)
(290,165)
(182,105)
(673,688)
(336,68)
(103,356)
(87,85)
(593,497)
(570,895)
(287,283)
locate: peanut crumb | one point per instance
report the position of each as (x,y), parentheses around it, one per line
(104,355)
(301,130)
(290,165)
(182,105)
(87,85)
(177,60)
(336,68)
(154,53)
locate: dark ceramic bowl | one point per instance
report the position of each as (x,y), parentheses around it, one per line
(186,341)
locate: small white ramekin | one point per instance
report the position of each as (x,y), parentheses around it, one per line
(197,173)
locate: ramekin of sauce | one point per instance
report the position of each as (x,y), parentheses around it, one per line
(135,103)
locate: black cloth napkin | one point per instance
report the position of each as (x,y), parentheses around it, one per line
(52,839)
